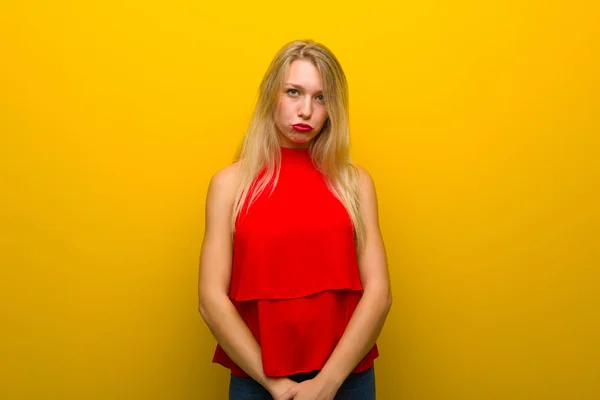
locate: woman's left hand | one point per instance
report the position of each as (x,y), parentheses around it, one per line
(312,389)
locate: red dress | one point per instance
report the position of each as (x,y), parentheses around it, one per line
(295,279)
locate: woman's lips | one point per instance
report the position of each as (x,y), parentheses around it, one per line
(302,127)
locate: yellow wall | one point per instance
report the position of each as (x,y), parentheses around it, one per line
(478,120)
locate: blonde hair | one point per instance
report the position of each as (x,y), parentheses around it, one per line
(329,150)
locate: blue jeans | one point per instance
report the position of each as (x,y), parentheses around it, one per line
(358,386)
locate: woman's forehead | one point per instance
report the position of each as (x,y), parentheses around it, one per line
(304,75)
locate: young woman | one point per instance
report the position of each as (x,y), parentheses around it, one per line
(293,279)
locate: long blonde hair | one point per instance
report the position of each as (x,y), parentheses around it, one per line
(329,150)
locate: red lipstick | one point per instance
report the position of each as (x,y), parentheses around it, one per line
(302,127)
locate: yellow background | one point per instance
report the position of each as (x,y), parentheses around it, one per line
(478,120)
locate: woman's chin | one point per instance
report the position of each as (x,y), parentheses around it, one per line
(298,138)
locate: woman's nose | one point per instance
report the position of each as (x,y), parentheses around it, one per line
(306,109)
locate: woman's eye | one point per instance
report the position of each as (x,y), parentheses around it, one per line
(294,92)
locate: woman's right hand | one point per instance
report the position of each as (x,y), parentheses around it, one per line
(278,386)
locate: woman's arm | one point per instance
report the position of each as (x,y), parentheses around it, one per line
(369,316)
(223,320)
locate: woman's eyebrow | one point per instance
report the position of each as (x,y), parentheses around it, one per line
(299,86)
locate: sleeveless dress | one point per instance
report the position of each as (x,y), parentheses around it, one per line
(295,280)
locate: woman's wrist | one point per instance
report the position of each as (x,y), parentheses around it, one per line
(278,385)
(330,380)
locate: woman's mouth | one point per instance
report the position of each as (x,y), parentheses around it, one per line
(302,127)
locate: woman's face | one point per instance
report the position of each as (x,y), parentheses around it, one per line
(300,102)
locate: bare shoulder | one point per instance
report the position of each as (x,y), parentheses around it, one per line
(366,183)
(224,182)
(226,176)
(368,197)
